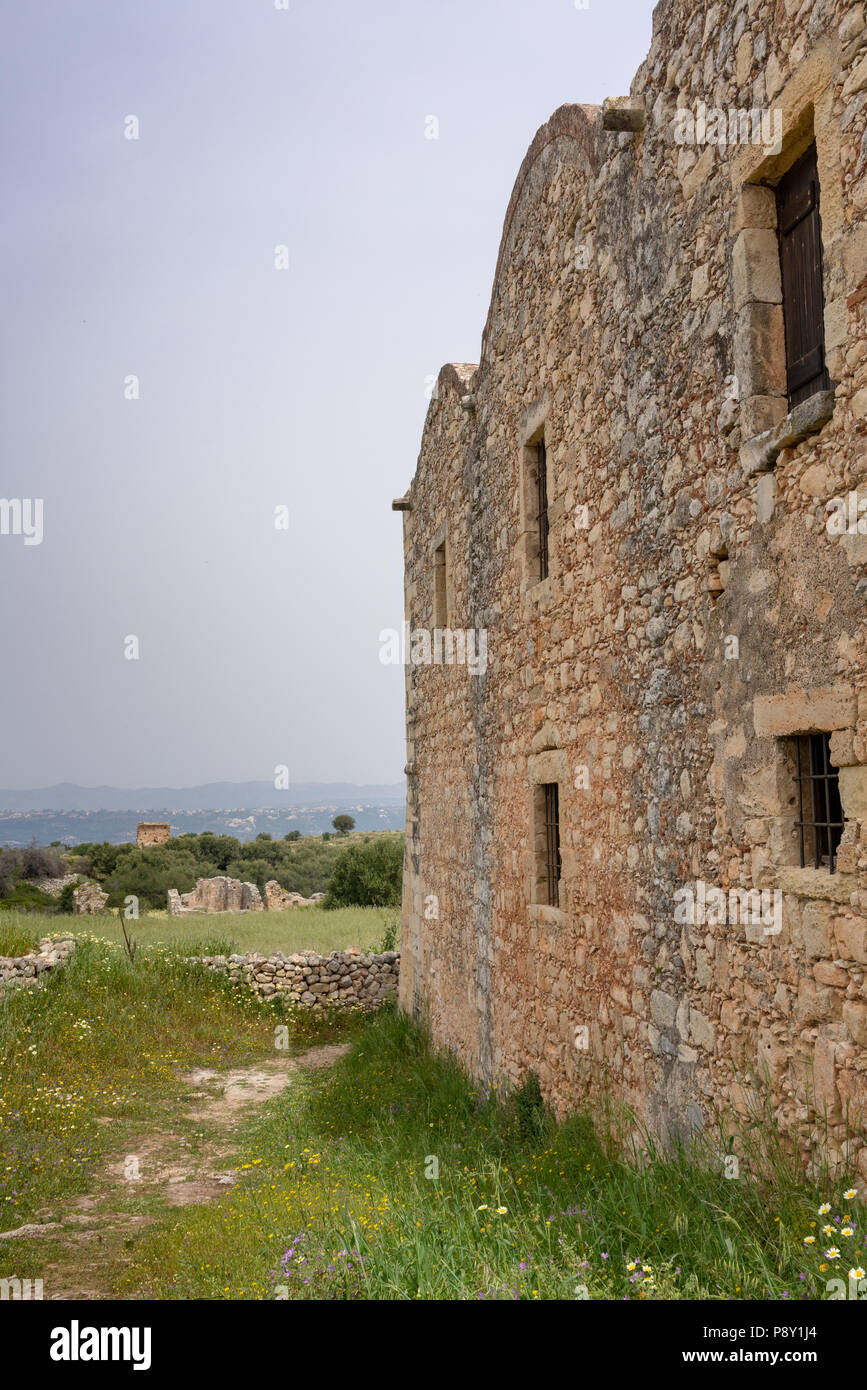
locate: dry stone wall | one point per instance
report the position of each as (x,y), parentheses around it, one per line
(31,969)
(343,980)
(698,613)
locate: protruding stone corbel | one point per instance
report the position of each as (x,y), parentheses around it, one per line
(468,402)
(624,113)
(401,504)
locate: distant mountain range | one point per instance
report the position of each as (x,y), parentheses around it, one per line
(213,796)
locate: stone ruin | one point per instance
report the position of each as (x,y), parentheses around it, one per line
(152,833)
(278,899)
(222,894)
(219,894)
(88,899)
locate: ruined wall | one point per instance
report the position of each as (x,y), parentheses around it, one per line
(88,899)
(153,833)
(223,894)
(219,894)
(636,318)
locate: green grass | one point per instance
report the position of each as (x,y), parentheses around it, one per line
(104,1040)
(335,1203)
(20,932)
(300,929)
(336,1197)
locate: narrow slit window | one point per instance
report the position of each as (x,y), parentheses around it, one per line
(552,843)
(542,506)
(440,614)
(820,812)
(800,237)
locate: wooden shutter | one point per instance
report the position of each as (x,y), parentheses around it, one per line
(801,265)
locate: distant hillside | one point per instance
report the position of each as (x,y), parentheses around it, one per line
(213,796)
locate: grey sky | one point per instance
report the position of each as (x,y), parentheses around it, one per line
(259,387)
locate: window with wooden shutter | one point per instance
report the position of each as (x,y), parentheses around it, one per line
(800,237)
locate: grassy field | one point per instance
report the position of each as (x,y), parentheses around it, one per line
(105,1041)
(386,1175)
(341,1202)
(300,929)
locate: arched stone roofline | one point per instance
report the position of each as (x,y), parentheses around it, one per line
(568,122)
(458,376)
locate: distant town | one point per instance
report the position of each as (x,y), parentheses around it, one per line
(59,819)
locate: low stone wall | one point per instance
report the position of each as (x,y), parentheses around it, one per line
(30,969)
(342,980)
(54,886)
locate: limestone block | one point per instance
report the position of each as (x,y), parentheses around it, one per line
(853,792)
(850,934)
(801,711)
(817,929)
(663,1008)
(760,349)
(756,268)
(855,1019)
(755,207)
(761,413)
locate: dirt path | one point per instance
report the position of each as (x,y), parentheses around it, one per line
(82,1249)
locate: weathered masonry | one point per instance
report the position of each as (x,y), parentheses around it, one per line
(637,839)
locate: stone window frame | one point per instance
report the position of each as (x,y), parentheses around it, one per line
(546,763)
(767,425)
(783,718)
(535,426)
(440,544)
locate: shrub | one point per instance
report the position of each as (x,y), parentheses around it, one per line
(10,870)
(149,873)
(367,876)
(64,900)
(37,862)
(256,871)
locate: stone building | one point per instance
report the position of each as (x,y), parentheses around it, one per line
(636,853)
(153,833)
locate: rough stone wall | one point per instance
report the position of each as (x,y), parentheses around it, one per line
(88,899)
(224,894)
(55,886)
(342,980)
(30,969)
(153,833)
(636,317)
(279,899)
(219,894)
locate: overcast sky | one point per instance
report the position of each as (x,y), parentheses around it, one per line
(259,387)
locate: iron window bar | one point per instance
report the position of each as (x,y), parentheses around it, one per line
(819,790)
(542,506)
(552,843)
